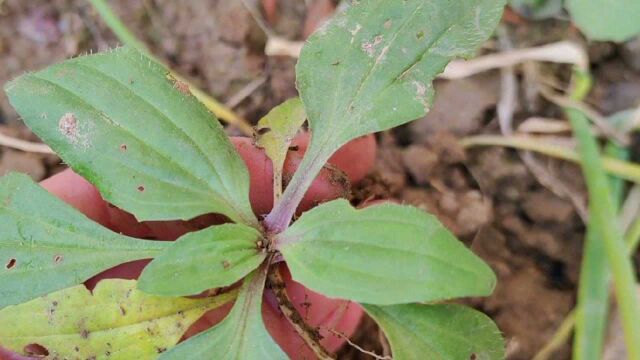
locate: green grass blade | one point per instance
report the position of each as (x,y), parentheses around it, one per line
(604,216)
(593,292)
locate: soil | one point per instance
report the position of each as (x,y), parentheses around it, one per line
(489,197)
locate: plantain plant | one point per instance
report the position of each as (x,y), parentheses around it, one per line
(119,120)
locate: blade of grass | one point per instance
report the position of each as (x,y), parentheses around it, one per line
(126,37)
(605,220)
(623,169)
(633,236)
(593,293)
(559,338)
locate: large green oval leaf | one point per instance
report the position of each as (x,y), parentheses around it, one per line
(606,20)
(444,332)
(371,67)
(149,146)
(115,322)
(383,254)
(46,245)
(241,335)
(214,257)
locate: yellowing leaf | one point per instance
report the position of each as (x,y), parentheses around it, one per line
(275,132)
(116,322)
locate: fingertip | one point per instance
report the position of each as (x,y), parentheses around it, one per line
(356,158)
(79,193)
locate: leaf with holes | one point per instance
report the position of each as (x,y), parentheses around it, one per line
(446,332)
(116,322)
(48,245)
(275,132)
(606,20)
(214,257)
(241,335)
(333,247)
(137,134)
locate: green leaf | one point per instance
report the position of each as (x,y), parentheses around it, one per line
(606,20)
(444,332)
(241,335)
(46,245)
(214,257)
(136,133)
(115,322)
(393,253)
(537,9)
(371,67)
(275,132)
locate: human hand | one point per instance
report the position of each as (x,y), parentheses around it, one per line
(354,159)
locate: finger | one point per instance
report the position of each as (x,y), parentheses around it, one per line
(356,158)
(317,310)
(79,193)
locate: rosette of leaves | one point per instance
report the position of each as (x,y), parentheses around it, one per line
(153,150)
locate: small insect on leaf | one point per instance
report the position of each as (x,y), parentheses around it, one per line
(275,132)
(443,331)
(115,320)
(48,245)
(241,335)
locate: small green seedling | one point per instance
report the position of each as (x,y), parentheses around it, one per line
(153,150)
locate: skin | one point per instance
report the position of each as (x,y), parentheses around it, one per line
(354,160)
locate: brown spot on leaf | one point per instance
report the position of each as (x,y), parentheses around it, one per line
(370,47)
(263,130)
(226,264)
(141,188)
(58,259)
(68,125)
(35,349)
(419,35)
(123,311)
(10,264)
(84,334)
(160,350)
(473,356)
(179,85)
(123,147)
